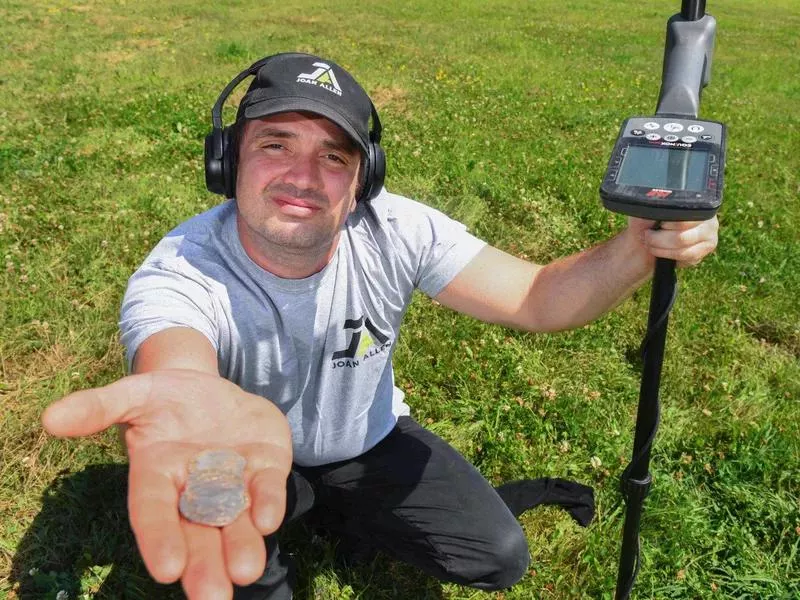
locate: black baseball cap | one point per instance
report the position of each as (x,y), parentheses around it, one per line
(297,82)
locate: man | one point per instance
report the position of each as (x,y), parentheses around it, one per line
(268,323)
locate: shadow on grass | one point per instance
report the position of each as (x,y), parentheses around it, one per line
(82,539)
(323,575)
(81,542)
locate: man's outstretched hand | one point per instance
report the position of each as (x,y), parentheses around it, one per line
(169,417)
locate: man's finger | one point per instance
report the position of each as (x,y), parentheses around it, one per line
(268,495)
(245,552)
(267,471)
(685,256)
(153,512)
(90,411)
(205,577)
(670,239)
(678,225)
(680,235)
(708,228)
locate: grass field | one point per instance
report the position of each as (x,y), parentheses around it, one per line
(501,113)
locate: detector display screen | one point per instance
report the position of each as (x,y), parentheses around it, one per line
(666,168)
(669,168)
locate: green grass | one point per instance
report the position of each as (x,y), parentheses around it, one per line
(500,113)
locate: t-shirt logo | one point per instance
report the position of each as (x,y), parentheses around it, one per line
(323,77)
(366,341)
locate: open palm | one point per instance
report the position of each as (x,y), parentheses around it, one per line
(170,416)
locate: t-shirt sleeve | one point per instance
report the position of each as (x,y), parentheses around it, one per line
(159,297)
(439,247)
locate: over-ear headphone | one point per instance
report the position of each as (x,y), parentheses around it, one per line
(221,152)
(375,167)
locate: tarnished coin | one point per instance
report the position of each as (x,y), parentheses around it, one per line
(215,492)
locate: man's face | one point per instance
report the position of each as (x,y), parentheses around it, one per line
(296,184)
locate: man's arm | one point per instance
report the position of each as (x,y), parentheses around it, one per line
(176,348)
(173,348)
(572,291)
(174,406)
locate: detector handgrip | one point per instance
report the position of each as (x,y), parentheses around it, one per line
(688,52)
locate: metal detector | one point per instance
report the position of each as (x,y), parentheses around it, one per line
(665,167)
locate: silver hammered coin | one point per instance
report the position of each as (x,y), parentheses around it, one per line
(215,492)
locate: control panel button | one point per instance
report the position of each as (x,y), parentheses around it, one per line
(637,132)
(651,125)
(671,138)
(653,137)
(695,128)
(713,170)
(688,139)
(673,127)
(706,137)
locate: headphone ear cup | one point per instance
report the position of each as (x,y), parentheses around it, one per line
(376,172)
(220,158)
(379,170)
(229,161)
(215,169)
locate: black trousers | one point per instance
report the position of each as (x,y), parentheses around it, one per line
(415,498)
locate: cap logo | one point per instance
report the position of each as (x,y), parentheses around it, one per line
(323,77)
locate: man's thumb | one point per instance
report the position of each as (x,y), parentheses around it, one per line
(89,411)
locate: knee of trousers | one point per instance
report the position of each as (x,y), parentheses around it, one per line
(505,561)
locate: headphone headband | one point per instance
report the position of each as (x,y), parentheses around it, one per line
(216,110)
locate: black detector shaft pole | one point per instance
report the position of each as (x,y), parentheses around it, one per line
(687,69)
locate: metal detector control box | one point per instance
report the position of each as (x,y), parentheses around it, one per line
(666,169)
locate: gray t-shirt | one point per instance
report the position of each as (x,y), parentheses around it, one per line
(320,348)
